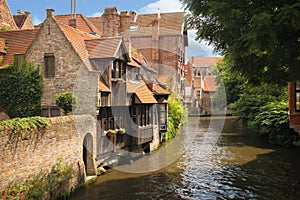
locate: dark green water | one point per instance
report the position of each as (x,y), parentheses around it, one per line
(233,165)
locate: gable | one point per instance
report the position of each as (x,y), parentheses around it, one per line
(6,18)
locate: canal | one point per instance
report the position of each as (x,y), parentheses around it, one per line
(205,163)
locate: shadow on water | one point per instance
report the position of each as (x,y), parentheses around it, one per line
(240,165)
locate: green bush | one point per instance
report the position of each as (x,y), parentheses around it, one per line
(24,126)
(20,90)
(177,116)
(66,101)
(53,185)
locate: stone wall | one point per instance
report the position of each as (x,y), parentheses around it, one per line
(23,158)
(51,40)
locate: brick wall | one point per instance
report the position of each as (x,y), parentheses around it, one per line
(21,159)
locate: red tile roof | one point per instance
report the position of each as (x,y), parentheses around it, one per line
(103,48)
(21,19)
(83,23)
(157,89)
(142,92)
(77,39)
(210,84)
(97,22)
(133,63)
(16,42)
(204,61)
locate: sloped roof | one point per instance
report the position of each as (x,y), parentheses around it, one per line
(83,23)
(103,48)
(103,87)
(142,92)
(16,42)
(133,63)
(210,84)
(157,89)
(96,21)
(21,19)
(204,61)
(77,39)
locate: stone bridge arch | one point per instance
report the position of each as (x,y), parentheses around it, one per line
(88,158)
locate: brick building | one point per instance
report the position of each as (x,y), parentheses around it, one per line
(200,83)
(159,37)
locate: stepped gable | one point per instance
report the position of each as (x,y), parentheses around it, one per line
(83,23)
(16,42)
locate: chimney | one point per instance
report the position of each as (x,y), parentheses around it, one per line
(110,22)
(20,12)
(132,16)
(50,12)
(73,23)
(124,21)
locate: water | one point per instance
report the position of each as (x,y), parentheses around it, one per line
(238,165)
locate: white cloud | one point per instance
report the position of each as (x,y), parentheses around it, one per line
(96,14)
(163,5)
(198,48)
(36,20)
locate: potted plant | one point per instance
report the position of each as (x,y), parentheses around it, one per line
(121,130)
(110,132)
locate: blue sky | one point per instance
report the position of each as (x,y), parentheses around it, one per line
(96,7)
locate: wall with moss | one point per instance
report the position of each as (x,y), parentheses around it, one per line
(24,156)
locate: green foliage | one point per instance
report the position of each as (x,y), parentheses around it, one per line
(43,186)
(66,101)
(268,114)
(261,38)
(177,116)
(24,126)
(20,90)
(3,28)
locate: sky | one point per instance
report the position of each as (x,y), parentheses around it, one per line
(93,8)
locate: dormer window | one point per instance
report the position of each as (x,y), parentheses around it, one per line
(49,63)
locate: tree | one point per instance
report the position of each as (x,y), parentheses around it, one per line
(261,38)
(20,90)
(66,101)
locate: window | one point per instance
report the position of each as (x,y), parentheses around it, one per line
(198,93)
(297,96)
(49,60)
(118,69)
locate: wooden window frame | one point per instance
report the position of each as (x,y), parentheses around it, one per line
(49,69)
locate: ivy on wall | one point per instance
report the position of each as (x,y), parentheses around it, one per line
(20,90)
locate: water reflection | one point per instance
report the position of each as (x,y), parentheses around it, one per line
(240,166)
